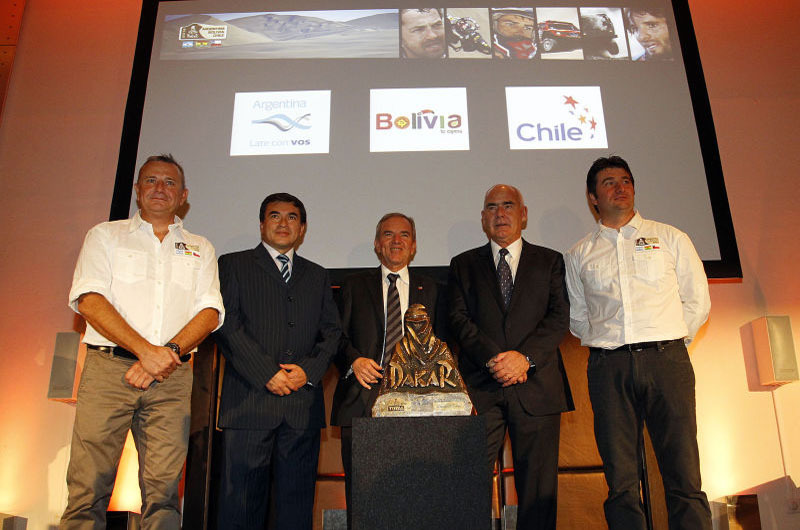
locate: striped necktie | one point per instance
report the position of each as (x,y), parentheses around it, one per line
(285,272)
(504,277)
(394,320)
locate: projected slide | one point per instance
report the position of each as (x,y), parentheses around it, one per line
(360,112)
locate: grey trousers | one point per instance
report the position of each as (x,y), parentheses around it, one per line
(159,421)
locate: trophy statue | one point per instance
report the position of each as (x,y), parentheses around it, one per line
(422,378)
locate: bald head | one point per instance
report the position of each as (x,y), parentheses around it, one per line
(503,187)
(504,214)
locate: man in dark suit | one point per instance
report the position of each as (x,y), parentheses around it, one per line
(508,311)
(364,301)
(278,340)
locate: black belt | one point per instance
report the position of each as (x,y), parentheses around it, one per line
(638,346)
(119,351)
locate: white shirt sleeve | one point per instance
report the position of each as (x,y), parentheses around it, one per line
(578,312)
(207,291)
(93,269)
(692,285)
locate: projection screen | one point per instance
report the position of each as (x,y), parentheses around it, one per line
(361,110)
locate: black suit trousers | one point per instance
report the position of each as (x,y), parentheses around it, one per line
(534,445)
(252,459)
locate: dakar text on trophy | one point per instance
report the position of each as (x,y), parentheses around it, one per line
(422,378)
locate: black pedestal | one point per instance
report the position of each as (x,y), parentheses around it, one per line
(420,473)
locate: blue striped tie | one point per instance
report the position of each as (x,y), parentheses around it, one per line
(284,259)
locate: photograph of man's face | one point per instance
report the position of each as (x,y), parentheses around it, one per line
(652,32)
(422,33)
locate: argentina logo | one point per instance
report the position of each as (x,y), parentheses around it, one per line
(281,123)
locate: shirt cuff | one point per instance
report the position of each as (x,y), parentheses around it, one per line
(210,302)
(85,287)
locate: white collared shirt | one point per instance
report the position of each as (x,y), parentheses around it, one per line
(402,284)
(514,252)
(641,283)
(274,254)
(156,286)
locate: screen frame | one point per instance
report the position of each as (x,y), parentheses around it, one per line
(728,267)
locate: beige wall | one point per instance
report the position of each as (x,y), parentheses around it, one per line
(59,141)
(749,58)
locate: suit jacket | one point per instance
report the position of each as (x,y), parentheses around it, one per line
(269,321)
(534,324)
(362,313)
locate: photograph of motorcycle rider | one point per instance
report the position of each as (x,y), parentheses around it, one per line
(468,31)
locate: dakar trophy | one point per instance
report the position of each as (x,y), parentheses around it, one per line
(422,379)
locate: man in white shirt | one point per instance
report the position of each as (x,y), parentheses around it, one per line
(638,293)
(366,341)
(149,292)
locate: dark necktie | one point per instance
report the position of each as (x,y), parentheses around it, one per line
(284,259)
(394,320)
(504,277)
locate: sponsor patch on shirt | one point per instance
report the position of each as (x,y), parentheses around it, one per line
(185,249)
(644,244)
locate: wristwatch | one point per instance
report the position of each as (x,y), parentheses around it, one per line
(531,364)
(177,349)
